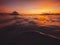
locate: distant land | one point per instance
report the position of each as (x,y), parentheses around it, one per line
(14,12)
(51,13)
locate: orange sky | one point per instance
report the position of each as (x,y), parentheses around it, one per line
(32,6)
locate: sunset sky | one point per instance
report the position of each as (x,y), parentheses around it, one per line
(30,6)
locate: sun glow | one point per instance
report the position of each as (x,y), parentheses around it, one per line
(36,11)
(43,10)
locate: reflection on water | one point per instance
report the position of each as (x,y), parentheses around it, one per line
(40,20)
(44,20)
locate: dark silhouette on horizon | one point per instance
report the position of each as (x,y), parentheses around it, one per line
(14,13)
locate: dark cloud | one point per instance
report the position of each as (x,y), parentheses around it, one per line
(56,0)
(16,1)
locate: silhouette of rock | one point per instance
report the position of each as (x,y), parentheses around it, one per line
(15,13)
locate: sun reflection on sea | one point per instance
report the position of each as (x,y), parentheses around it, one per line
(45,20)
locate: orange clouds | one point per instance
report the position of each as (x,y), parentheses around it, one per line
(32,6)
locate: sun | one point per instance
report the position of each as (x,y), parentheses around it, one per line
(43,11)
(39,11)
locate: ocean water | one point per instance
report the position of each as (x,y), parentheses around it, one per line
(50,21)
(44,20)
(39,19)
(30,29)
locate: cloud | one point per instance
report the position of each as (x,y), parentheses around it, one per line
(56,0)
